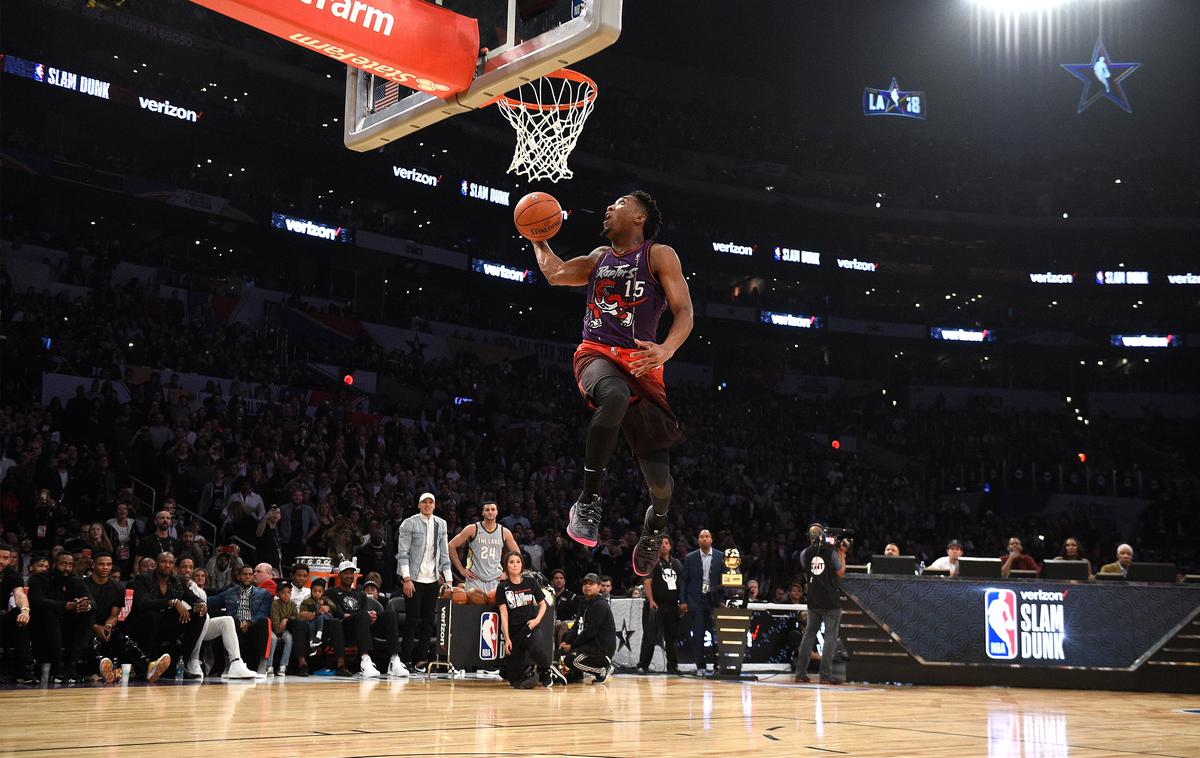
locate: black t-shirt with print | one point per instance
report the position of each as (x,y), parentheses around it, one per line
(347,601)
(665,580)
(522,599)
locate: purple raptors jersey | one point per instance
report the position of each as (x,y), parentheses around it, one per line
(624,299)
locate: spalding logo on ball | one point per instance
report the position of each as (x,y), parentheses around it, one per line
(538,216)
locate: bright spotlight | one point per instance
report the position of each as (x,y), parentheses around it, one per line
(1018,6)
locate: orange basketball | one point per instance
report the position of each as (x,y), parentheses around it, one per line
(458,596)
(538,216)
(492,597)
(477,596)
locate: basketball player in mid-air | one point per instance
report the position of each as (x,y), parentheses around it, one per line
(619,365)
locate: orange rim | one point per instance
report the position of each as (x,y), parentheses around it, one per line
(562,73)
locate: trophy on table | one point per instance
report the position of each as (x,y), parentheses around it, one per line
(731,621)
(733,588)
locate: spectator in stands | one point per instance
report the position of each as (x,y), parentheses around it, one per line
(215,493)
(264,576)
(61,615)
(795,594)
(752,592)
(191,546)
(160,540)
(244,511)
(283,618)
(360,624)
(949,561)
(606,585)
(298,524)
(223,567)
(891,549)
(267,545)
(373,556)
(14,617)
(1071,551)
(592,640)
(124,535)
(98,540)
(250,608)
(110,645)
(167,617)
(1016,558)
(300,590)
(1121,564)
(315,611)
(215,627)
(423,564)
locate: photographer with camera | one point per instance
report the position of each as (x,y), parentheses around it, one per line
(822,566)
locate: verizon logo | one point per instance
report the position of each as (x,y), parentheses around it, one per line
(320,231)
(732,248)
(503,272)
(167,109)
(413,175)
(365,14)
(855,264)
(1052,278)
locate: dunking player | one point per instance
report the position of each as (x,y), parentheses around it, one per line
(619,365)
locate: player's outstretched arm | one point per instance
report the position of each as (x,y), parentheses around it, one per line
(560,273)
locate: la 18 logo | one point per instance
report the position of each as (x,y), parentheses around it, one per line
(1000,621)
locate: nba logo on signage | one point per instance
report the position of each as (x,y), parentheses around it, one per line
(1000,620)
(489,636)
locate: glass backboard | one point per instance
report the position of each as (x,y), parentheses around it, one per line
(522,40)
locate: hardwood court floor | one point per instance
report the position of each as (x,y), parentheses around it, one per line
(629,716)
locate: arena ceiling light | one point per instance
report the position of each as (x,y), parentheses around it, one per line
(1018,6)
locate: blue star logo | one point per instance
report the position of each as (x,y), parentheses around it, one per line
(1105,75)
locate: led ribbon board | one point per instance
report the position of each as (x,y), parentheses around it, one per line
(947,334)
(1146,340)
(894,101)
(303,226)
(501,271)
(792,320)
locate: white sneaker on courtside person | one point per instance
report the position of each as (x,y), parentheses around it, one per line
(397,668)
(239,670)
(367,666)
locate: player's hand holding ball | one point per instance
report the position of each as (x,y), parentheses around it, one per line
(538,216)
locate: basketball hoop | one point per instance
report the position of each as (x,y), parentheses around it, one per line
(548,115)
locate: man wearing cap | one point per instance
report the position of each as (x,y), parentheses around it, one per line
(422,563)
(949,561)
(361,622)
(591,642)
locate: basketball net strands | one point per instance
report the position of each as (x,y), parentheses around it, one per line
(548,116)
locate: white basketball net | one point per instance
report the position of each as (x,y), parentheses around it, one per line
(548,116)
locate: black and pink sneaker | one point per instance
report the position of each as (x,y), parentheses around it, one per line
(584,526)
(649,546)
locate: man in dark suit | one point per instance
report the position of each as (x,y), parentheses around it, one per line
(701,579)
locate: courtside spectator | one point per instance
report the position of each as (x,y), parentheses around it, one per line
(1121,564)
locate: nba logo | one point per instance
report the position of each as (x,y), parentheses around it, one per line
(489,636)
(1000,618)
